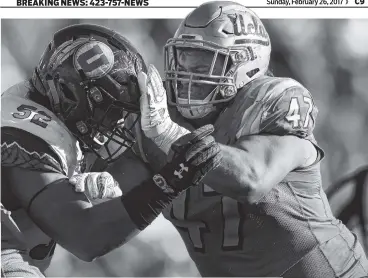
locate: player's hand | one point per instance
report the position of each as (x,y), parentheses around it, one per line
(194,155)
(153,103)
(155,119)
(96,185)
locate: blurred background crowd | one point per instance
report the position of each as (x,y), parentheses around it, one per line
(329,57)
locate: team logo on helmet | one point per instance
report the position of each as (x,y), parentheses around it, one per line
(94,58)
(246,24)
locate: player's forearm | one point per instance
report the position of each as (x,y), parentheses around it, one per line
(102,228)
(84,230)
(90,231)
(238,176)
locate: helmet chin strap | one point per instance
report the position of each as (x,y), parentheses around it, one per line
(54,97)
(37,82)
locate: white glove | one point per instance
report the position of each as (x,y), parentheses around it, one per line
(96,185)
(155,119)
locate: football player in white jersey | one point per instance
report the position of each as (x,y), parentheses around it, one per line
(81,104)
(263,211)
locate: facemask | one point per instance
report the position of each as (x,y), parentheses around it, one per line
(199,109)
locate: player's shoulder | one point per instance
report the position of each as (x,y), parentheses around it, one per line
(287,107)
(27,125)
(265,90)
(269,88)
(265,106)
(20,111)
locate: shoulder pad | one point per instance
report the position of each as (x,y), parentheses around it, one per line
(288,109)
(19,112)
(268,105)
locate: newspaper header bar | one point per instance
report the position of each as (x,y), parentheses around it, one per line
(180,4)
(158,9)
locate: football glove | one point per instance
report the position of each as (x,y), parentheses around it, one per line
(155,119)
(193,156)
(96,185)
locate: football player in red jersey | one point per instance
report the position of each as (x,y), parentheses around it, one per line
(81,104)
(263,211)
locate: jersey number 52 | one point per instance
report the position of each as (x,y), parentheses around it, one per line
(37,117)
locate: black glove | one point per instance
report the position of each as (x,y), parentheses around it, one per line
(194,155)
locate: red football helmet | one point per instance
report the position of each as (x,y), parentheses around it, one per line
(89,74)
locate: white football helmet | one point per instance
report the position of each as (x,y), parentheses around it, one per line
(224,28)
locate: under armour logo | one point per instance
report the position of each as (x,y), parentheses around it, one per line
(179,173)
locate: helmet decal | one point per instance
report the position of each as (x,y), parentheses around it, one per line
(94,58)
